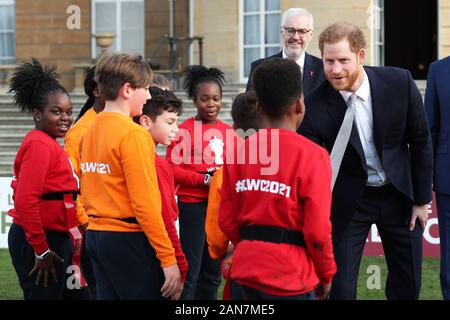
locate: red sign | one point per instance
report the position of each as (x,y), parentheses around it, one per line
(430,237)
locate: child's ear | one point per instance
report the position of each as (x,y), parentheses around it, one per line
(145,121)
(37,115)
(126,90)
(96,93)
(300,105)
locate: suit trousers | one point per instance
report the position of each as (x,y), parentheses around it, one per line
(390,211)
(443,208)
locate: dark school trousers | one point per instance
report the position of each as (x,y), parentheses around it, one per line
(203,277)
(125,266)
(23,259)
(88,270)
(391,212)
(253,294)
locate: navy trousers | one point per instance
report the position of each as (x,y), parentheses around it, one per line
(23,259)
(125,266)
(203,277)
(443,207)
(253,294)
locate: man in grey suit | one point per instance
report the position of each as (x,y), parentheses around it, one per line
(296,31)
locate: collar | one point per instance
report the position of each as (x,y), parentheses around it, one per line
(362,92)
(300,61)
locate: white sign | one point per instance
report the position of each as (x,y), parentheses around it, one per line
(6,203)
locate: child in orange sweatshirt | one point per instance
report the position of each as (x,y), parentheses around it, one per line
(132,255)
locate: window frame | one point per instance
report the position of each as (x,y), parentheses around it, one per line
(12,31)
(378,45)
(118,24)
(262,25)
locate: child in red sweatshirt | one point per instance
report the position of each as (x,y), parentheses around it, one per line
(277,212)
(45,188)
(198,153)
(160,116)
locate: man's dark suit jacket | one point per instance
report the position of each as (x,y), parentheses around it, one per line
(401,137)
(437,104)
(312,72)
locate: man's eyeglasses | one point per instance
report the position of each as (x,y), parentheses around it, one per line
(291,31)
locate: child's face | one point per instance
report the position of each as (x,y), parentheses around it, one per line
(164,129)
(138,98)
(56,117)
(208,101)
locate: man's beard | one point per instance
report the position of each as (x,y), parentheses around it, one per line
(351,79)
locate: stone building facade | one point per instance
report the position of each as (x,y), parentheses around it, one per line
(234,32)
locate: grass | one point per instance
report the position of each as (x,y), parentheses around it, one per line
(430,279)
(10,290)
(9,283)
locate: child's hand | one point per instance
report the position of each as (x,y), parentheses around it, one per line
(172,281)
(322,291)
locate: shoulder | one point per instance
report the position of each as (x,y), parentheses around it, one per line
(390,79)
(307,147)
(439,64)
(314,59)
(163,169)
(39,142)
(223,125)
(257,62)
(188,123)
(317,96)
(387,72)
(162,164)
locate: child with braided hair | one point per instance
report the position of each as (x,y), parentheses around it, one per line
(72,140)
(195,157)
(44,186)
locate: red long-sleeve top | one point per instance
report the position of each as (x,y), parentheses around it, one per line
(41,166)
(192,156)
(170,210)
(295,193)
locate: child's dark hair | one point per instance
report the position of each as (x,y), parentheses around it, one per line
(31,84)
(162,100)
(195,75)
(89,86)
(277,84)
(244,113)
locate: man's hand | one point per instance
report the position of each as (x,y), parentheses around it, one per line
(45,267)
(172,282)
(322,291)
(421,213)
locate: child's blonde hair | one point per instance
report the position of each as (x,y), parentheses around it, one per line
(114,70)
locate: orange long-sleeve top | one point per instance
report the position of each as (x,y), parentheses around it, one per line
(119,181)
(72,142)
(217,241)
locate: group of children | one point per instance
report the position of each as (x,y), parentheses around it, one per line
(125,205)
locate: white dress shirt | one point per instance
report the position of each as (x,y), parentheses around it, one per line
(300,61)
(364,123)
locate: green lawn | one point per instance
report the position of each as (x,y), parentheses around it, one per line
(9,286)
